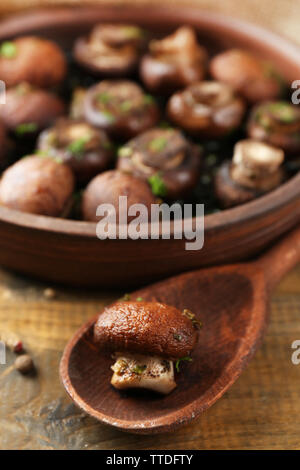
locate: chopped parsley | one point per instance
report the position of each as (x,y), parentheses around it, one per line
(177,337)
(148,99)
(132,32)
(139,369)
(191,316)
(126,106)
(26,128)
(139,299)
(126,297)
(77,147)
(177,363)
(283,111)
(124,152)
(104,98)
(8,50)
(158,144)
(157,184)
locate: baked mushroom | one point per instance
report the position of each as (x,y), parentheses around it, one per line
(28,109)
(120,107)
(37,185)
(107,187)
(255,79)
(276,123)
(146,338)
(164,158)
(86,149)
(110,49)
(31,59)
(207,109)
(255,169)
(173,62)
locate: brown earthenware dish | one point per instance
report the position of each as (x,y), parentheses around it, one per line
(68,251)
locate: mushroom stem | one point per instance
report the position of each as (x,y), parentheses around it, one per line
(147,372)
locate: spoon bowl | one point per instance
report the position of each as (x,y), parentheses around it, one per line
(232,303)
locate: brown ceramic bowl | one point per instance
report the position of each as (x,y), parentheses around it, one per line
(68,251)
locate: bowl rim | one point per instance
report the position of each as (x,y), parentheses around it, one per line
(167,15)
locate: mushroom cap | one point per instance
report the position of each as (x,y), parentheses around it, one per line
(25,104)
(107,187)
(150,328)
(37,185)
(37,61)
(254,78)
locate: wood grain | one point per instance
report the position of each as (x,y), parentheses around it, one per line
(260,411)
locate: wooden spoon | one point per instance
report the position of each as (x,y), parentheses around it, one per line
(231,301)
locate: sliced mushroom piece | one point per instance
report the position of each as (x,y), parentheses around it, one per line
(146,338)
(107,187)
(38,186)
(76,106)
(111,49)
(173,62)
(164,158)
(255,79)
(86,149)
(139,371)
(120,107)
(255,169)
(276,123)
(207,109)
(31,59)
(28,109)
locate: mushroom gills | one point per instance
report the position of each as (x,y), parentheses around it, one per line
(139,371)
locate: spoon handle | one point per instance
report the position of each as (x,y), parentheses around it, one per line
(281,258)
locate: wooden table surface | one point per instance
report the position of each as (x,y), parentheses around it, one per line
(261,410)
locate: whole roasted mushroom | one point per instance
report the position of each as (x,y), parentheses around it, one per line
(111,49)
(31,59)
(120,107)
(253,78)
(276,123)
(37,185)
(86,149)
(28,109)
(164,158)
(207,109)
(173,62)
(107,187)
(255,169)
(146,338)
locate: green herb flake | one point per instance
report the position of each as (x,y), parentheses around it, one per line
(148,99)
(177,363)
(158,144)
(103,98)
(132,32)
(126,106)
(284,111)
(8,50)
(108,116)
(77,147)
(157,184)
(26,128)
(191,316)
(139,299)
(138,369)
(126,297)
(177,337)
(124,152)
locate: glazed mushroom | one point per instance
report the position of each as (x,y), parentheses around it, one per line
(276,123)
(32,59)
(86,149)
(110,49)
(207,109)
(146,337)
(255,169)
(173,62)
(164,158)
(107,187)
(38,186)
(253,78)
(120,107)
(28,109)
